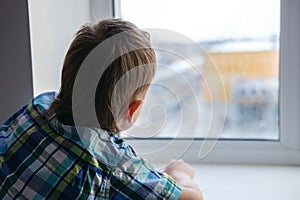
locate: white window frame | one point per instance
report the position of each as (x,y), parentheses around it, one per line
(284,151)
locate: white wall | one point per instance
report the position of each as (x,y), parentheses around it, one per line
(53,24)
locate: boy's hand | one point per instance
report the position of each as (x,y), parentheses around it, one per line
(180,169)
(183,174)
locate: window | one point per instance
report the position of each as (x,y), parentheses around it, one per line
(232,88)
(254,48)
(251,44)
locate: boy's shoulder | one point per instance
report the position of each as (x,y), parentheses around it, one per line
(102,145)
(24,118)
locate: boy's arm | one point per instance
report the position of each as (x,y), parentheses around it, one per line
(183,174)
(135,178)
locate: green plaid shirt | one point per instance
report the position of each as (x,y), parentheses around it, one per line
(49,160)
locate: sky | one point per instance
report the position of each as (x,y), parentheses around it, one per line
(206,20)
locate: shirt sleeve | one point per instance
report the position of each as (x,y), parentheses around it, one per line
(137,179)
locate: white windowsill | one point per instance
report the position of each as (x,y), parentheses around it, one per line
(248,182)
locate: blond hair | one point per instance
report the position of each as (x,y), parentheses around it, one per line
(87,38)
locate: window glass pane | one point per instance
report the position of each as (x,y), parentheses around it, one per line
(240,48)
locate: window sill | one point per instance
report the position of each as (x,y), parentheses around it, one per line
(248,182)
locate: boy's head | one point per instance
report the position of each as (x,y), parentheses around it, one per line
(87,38)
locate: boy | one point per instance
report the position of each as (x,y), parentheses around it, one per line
(50,149)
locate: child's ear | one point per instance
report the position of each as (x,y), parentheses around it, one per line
(133,109)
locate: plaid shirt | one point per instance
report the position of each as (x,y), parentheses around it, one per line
(48,160)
